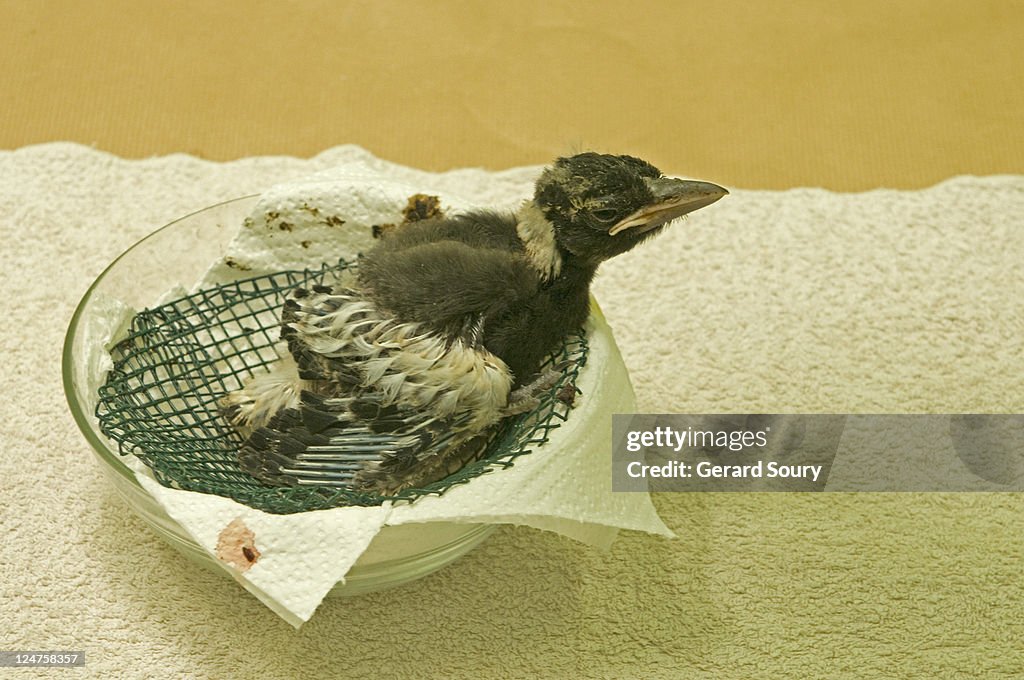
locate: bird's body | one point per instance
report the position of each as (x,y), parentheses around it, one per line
(397,379)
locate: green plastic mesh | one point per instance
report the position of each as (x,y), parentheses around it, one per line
(159,401)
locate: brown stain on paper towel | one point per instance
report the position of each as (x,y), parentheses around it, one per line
(421,207)
(418,207)
(236,545)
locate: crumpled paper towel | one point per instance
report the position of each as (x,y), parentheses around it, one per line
(563,486)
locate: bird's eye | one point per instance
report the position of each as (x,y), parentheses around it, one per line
(604,214)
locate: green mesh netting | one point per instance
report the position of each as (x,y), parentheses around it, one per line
(159,401)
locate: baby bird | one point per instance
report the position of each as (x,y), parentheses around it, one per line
(396,381)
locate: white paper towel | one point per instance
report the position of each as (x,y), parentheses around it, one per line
(290,562)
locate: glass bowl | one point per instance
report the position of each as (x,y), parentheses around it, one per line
(179,254)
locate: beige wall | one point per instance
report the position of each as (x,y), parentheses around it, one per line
(848,95)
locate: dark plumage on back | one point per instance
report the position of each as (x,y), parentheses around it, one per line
(397,380)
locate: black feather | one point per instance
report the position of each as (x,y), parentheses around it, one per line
(470,284)
(440,283)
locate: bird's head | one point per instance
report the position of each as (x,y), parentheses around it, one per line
(601,205)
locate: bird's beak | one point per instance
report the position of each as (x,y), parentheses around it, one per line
(672,198)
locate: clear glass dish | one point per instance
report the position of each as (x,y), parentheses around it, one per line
(179,254)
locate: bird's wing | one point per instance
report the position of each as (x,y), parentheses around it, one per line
(446,282)
(396,394)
